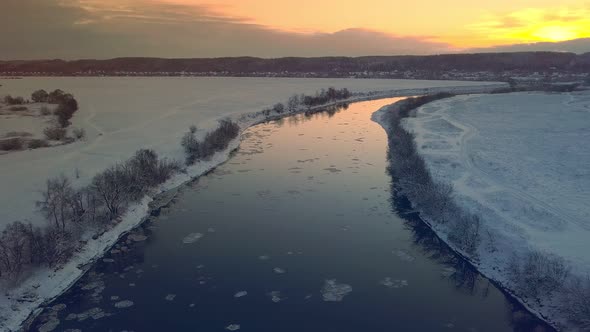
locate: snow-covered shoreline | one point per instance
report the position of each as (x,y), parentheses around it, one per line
(493,257)
(22,303)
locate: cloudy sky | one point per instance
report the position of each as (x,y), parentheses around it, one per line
(70,29)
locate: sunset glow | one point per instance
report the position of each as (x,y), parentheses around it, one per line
(460,23)
(270,28)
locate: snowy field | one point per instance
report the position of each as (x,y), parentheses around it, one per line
(122,115)
(520,161)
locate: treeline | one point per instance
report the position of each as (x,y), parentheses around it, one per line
(67,105)
(214,141)
(409,169)
(532,274)
(326,66)
(73,212)
(321,97)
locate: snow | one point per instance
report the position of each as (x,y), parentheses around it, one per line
(520,162)
(121,115)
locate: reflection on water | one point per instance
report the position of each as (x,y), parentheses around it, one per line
(298,231)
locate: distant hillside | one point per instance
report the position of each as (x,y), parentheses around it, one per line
(323,66)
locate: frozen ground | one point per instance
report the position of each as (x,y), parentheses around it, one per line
(520,161)
(122,115)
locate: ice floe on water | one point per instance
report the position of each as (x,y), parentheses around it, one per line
(404,255)
(264,257)
(240,294)
(170,297)
(393,283)
(278,270)
(192,238)
(275,296)
(233,327)
(137,237)
(50,325)
(335,292)
(124,304)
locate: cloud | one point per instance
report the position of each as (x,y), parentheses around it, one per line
(32,29)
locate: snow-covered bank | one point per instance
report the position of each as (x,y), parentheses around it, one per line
(44,285)
(516,162)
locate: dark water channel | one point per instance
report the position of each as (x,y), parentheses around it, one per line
(297,232)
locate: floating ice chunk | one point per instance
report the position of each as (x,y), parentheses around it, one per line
(108,260)
(233,327)
(447,272)
(335,292)
(308,296)
(170,297)
(211,230)
(50,325)
(192,238)
(278,270)
(275,296)
(114,298)
(393,283)
(404,255)
(124,304)
(137,237)
(192,305)
(240,294)
(264,257)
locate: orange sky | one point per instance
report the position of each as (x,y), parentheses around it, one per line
(277,28)
(462,23)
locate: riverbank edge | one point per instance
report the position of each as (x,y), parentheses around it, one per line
(546,316)
(24,303)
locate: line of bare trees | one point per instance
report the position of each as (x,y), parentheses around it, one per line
(72,213)
(214,141)
(433,198)
(532,274)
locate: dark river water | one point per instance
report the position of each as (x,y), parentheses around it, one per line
(299,231)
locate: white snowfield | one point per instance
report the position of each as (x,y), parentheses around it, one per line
(122,115)
(521,162)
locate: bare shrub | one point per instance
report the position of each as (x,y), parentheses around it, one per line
(11,144)
(293,103)
(465,233)
(10,100)
(55,133)
(79,133)
(38,143)
(538,272)
(40,96)
(14,249)
(114,188)
(215,141)
(578,293)
(56,202)
(278,108)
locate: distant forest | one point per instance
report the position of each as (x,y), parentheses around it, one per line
(525,62)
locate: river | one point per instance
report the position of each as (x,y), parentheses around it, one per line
(298,231)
